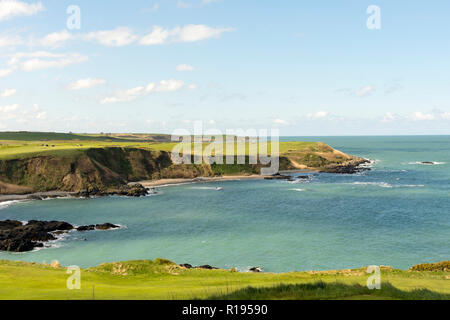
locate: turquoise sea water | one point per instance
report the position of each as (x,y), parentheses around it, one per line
(397,214)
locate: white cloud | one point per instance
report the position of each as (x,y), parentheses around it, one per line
(9,108)
(419,116)
(317,115)
(154,8)
(365,91)
(85,84)
(158,36)
(44,59)
(13,8)
(185,67)
(118,37)
(188,33)
(55,39)
(389,117)
(5,72)
(10,41)
(168,85)
(192,86)
(280,121)
(8,93)
(134,93)
(184,5)
(41,115)
(204,2)
(445,115)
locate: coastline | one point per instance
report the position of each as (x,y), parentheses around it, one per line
(146,184)
(155,184)
(35,196)
(168,182)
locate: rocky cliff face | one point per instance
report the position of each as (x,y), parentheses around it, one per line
(107,169)
(91,169)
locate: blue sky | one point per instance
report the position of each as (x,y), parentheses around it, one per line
(306,67)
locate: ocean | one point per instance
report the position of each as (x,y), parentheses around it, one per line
(397,214)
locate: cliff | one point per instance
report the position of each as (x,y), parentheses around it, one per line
(107,169)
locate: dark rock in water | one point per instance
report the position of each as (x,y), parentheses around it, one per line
(278,177)
(21,238)
(207,267)
(427,162)
(51,225)
(186,265)
(349,169)
(86,228)
(9,224)
(136,190)
(17,245)
(255,269)
(16,237)
(106,226)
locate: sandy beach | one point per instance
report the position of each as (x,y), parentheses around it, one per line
(166,182)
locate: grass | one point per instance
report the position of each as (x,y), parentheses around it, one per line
(25,145)
(162,279)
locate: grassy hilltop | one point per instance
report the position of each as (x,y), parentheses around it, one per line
(163,279)
(31,162)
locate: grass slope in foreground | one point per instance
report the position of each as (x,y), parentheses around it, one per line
(163,279)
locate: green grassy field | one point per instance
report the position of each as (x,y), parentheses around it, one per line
(21,145)
(162,279)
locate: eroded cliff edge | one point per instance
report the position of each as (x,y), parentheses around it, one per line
(109,169)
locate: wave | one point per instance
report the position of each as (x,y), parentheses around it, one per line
(208,188)
(6,204)
(388,185)
(427,163)
(299,190)
(370,164)
(380,184)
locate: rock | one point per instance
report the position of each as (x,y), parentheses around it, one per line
(9,224)
(186,265)
(207,267)
(136,190)
(278,177)
(106,226)
(427,162)
(86,228)
(52,225)
(17,245)
(255,269)
(16,237)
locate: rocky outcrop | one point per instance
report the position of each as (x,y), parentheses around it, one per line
(108,171)
(105,226)
(18,237)
(351,167)
(205,267)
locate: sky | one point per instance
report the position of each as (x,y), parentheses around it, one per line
(314,68)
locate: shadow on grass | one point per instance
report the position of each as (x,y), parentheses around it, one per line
(324,291)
